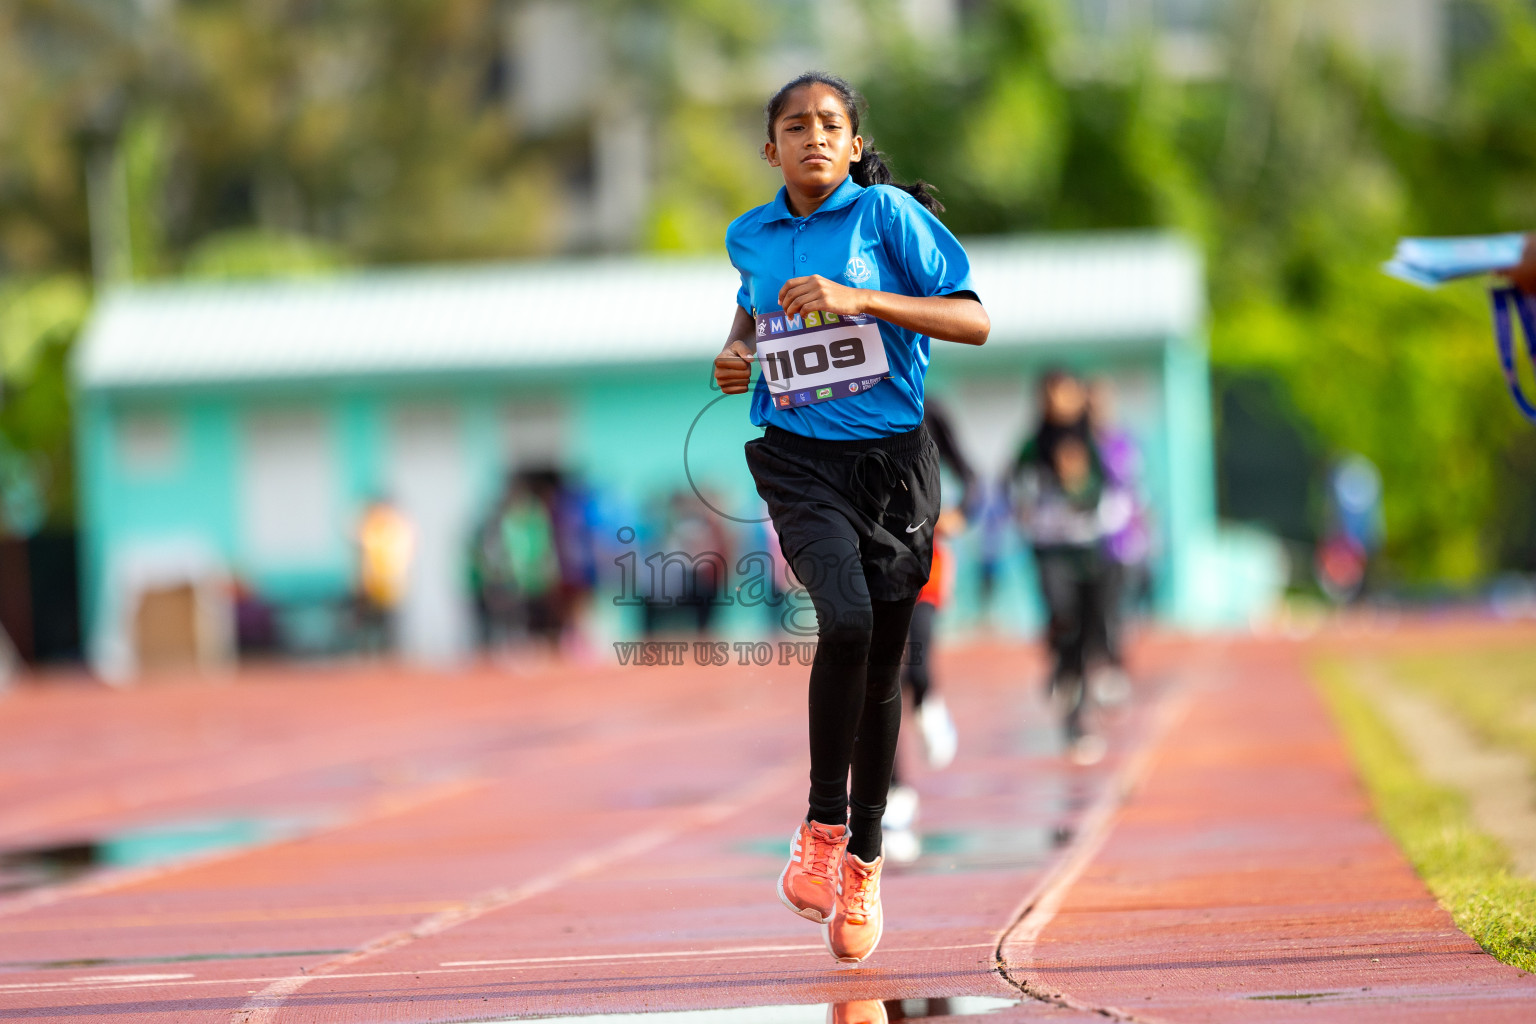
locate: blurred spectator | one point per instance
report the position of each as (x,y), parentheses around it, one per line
(1067,509)
(687,575)
(518,567)
(1127,548)
(386,543)
(1353,531)
(255,621)
(573,516)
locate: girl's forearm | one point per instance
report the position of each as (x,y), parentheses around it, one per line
(946,317)
(743,329)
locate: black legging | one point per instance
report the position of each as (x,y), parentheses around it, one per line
(915,671)
(855,692)
(914,674)
(1072,581)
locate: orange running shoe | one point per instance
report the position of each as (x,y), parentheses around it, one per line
(859,1011)
(854,931)
(808,885)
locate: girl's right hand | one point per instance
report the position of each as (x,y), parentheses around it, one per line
(733,368)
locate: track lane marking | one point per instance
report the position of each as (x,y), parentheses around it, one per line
(625,956)
(263,1007)
(1044,900)
(61,987)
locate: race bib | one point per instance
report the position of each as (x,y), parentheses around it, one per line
(816,357)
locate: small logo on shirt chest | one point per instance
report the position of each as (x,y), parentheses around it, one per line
(857,271)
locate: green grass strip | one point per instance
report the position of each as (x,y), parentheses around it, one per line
(1492,692)
(1468,871)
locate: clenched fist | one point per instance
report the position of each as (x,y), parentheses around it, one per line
(733,368)
(805,294)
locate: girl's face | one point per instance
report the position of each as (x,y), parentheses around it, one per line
(813,141)
(1064,401)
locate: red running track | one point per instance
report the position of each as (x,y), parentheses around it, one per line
(485,845)
(1247,880)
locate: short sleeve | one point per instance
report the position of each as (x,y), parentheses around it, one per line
(931,258)
(744,293)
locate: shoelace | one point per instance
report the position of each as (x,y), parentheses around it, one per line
(861,903)
(818,852)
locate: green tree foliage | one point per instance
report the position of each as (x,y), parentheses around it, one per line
(39,317)
(243,139)
(1297,170)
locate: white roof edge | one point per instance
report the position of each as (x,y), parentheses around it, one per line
(1107,287)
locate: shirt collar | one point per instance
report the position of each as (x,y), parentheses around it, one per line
(841,196)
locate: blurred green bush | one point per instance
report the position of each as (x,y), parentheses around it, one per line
(226,138)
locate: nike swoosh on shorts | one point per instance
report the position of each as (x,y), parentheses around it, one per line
(919,526)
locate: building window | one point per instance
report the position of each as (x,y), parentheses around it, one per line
(288,501)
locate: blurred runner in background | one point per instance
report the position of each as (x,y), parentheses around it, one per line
(386,543)
(1067,509)
(1127,548)
(940,740)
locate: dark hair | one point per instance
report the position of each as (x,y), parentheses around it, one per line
(1050,435)
(870,169)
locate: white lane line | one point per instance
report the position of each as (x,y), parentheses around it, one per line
(628,956)
(1015,947)
(99,980)
(60,987)
(262,1008)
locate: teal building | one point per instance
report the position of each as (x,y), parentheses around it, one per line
(234,431)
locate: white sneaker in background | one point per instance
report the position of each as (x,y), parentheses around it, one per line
(940,741)
(901,845)
(1110,686)
(900,808)
(897,835)
(899,839)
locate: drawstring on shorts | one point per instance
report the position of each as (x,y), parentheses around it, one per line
(873,500)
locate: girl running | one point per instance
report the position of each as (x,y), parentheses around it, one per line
(845,277)
(1067,508)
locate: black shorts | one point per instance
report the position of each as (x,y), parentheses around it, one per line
(880,494)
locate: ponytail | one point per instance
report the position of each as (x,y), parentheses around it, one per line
(871,168)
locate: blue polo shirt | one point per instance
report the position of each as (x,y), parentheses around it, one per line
(879,238)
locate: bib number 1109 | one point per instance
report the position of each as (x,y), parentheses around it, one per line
(817,357)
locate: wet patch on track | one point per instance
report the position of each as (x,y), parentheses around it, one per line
(145,846)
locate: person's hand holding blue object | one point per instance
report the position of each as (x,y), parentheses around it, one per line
(1433,261)
(1523,274)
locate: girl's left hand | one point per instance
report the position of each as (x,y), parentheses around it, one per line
(818,294)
